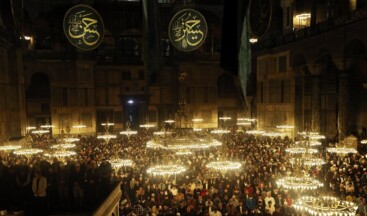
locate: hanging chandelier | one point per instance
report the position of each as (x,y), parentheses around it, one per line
(71,139)
(47,126)
(197,119)
(106,137)
(364,141)
(325,205)
(342,150)
(183,152)
(301,150)
(224,165)
(147,126)
(299,183)
(162,133)
(30,128)
(107,124)
(61,154)
(285,126)
(219,131)
(246,119)
(272,134)
(255,132)
(40,131)
(243,123)
(307,161)
(117,163)
(128,132)
(28,151)
(310,142)
(170,121)
(225,118)
(177,143)
(9,147)
(79,126)
(63,146)
(163,170)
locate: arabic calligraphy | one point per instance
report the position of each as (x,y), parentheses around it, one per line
(188,30)
(83,27)
(260,16)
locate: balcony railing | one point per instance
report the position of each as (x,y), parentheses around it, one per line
(319,28)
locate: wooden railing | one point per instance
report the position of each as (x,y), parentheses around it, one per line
(110,206)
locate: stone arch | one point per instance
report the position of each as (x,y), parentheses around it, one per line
(39,86)
(129,42)
(226,85)
(298,60)
(355,48)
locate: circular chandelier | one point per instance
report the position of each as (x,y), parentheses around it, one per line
(301,151)
(311,143)
(197,119)
(183,152)
(161,133)
(47,126)
(255,132)
(225,118)
(364,141)
(107,124)
(61,154)
(79,126)
(30,128)
(285,126)
(299,183)
(342,150)
(219,131)
(325,205)
(128,132)
(107,136)
(147,126)
(272,134)
(246,119)
(316,137)
(166,169)
(224,165)
(40,131)
(118,163)
(63,146)
(308,161)
(183,143)
(28,151)
(9,147)
(243,123)
(71,139)
(197,129)
(170,121)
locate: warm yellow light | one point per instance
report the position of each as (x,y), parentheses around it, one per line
(29,151)
(253,40)
(9,147)
(166,169)
(224,165)
(225,118)
(303,16)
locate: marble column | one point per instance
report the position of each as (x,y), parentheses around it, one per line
(316,70)
(343,66)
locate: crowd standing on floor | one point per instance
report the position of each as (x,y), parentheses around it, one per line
(40,185)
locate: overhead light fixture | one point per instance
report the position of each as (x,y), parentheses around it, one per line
(253,40)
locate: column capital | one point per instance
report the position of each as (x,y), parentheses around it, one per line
(344,64)
(316,69)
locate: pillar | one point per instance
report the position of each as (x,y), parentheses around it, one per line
(316,70)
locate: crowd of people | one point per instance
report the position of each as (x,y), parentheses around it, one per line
(41,186)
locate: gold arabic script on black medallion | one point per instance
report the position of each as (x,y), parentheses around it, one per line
(83,27)
(187,30)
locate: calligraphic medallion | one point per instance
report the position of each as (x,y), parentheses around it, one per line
(83,27)
(260,13)
(187,30)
